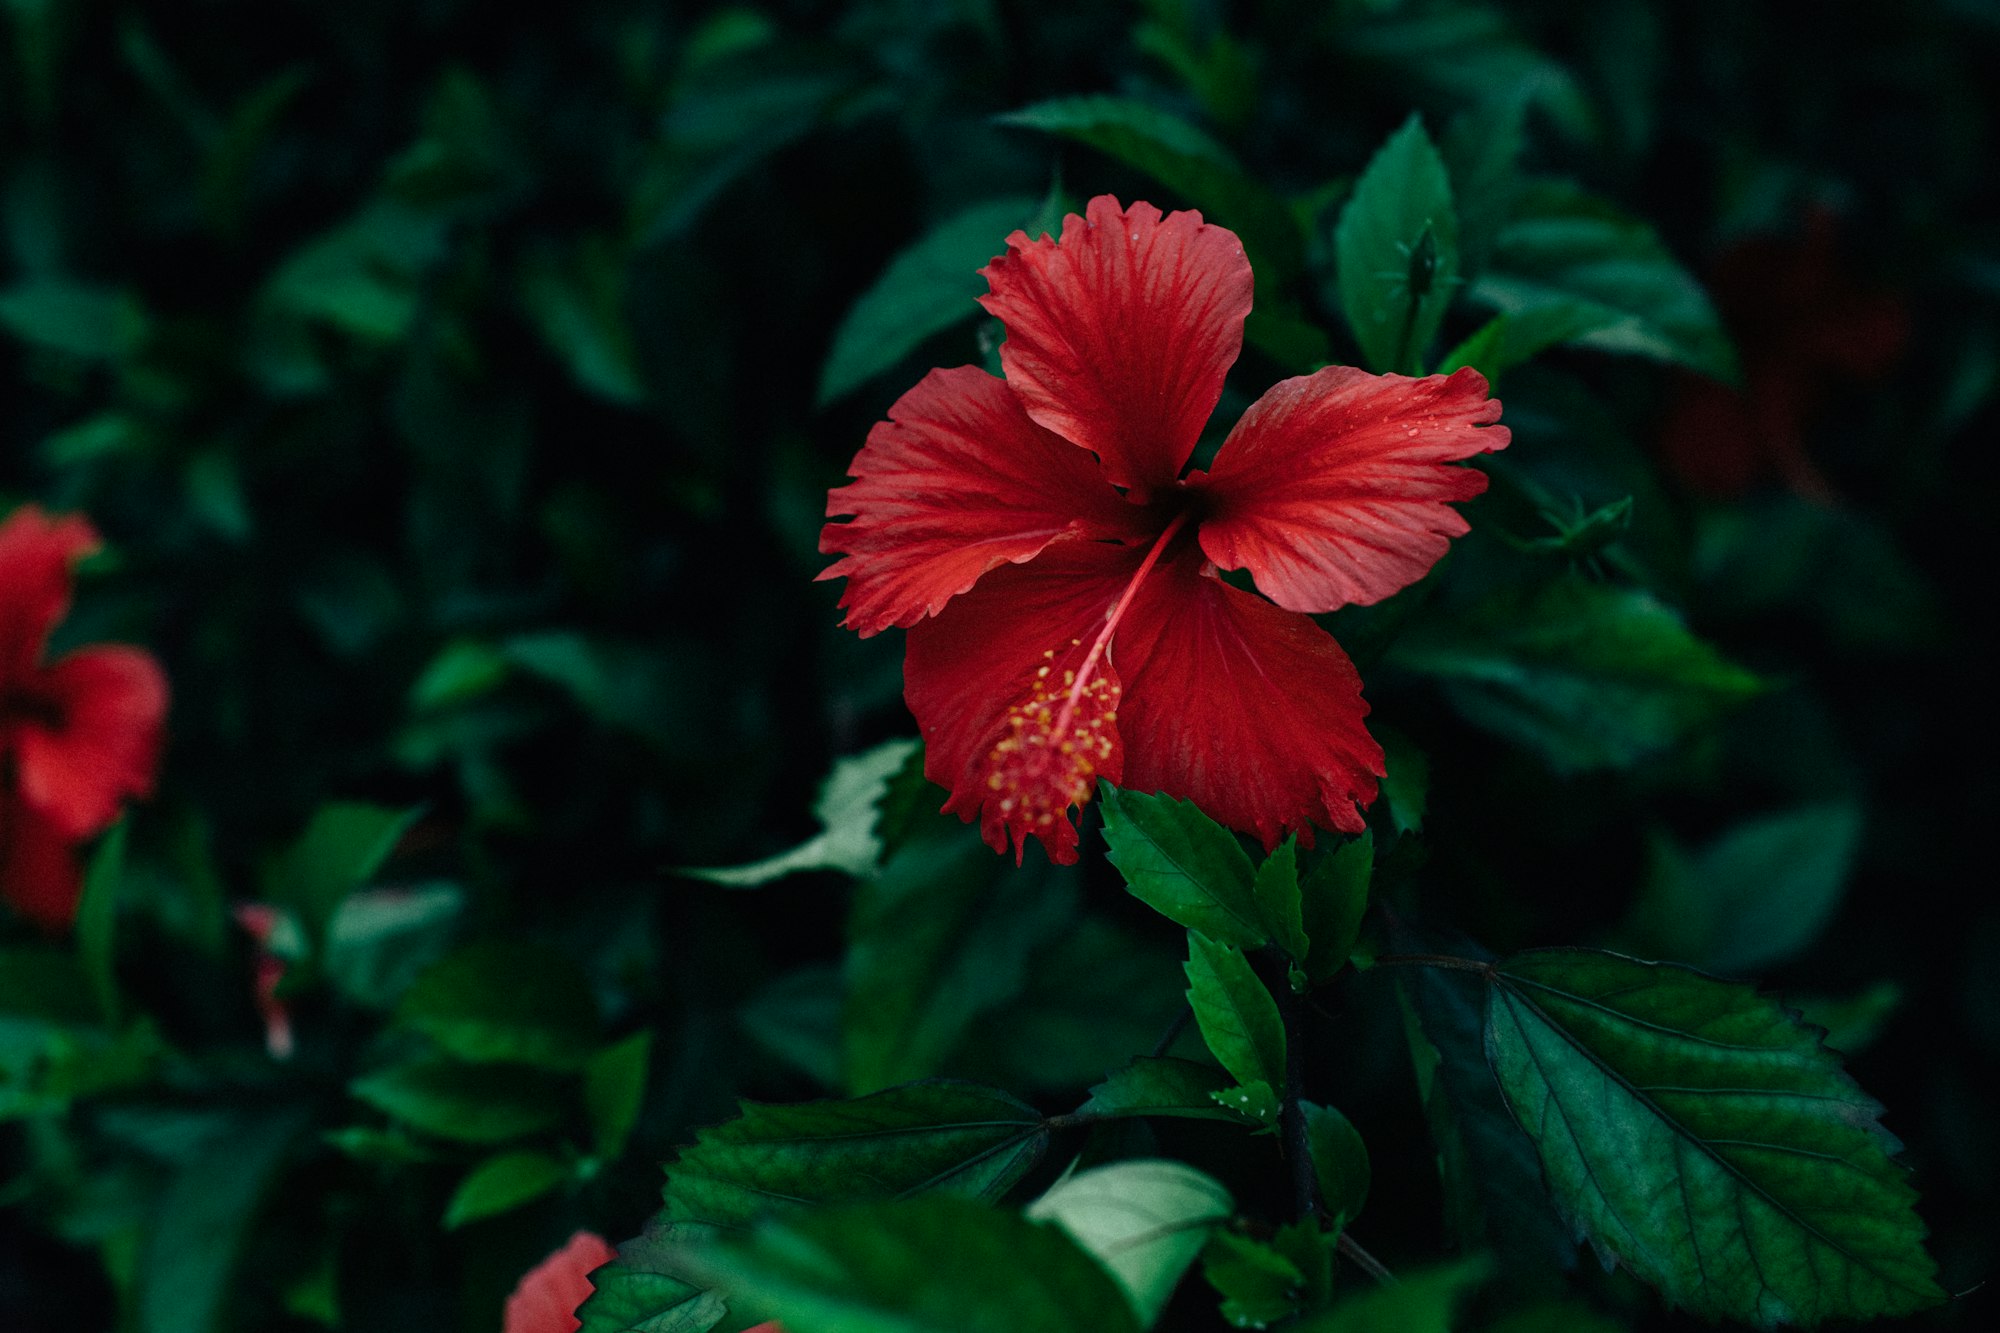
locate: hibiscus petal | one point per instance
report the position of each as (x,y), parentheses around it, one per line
(39,876)
(1335,487)
(1120,334)
(957,481)
(545,1299)
(1250,711)
(37,553)
(974,666)
(112,701)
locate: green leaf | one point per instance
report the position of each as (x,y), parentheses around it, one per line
(1262,1283)
(1422,1302)
(503,1182)
(1340,1159)
(1237,1016)
(1556,1317)
(1509,340)
(1145,1220)
(928,287)
(1467,54)
(1588,674)
(1161,1085)
(935,942)
(919,1266)
(648,1289)
(1186,161)
(577,301)
(1756,897)
(381,940)
(1256,1101)
(1334,895)
(97,920)
(1406,787)
(80,319)
(341,849)
(1701,1134)
(1482,150)
(1183,865)
(614,1088)
(1852,1022)
(189,1247)
(797,1019)
(848,809)
(955,1137)
(505,1000)
(466,1103)
(1277,892)
(1567,247)
(1396,251)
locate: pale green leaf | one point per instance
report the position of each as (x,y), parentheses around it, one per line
(1145,1220)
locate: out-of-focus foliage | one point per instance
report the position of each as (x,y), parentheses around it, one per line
(458,392)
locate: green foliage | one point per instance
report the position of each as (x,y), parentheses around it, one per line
(614,1091)
(1589,675)
(340,850)
(1340,1159)
(848,809)
(1335,897)
(485,1103)
(1236,1014)
(649,1288)
(1162,1085)
(502,1182)
(1184,865)
(97,920)
(1279,900)
(1422,1302)
(1701,1135)
(505,1000)
(1262,1282)
(1397,250)
(920,1266)
(1145,1220)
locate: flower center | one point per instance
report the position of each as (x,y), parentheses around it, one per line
(1060,736)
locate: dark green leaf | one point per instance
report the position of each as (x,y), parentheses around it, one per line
(648,1289)
(1703,1135)
(1144,1220)
(1186,161)
(97,920)
(927,288)
(1852,1022)
(1566,247)
(1422,1302)
(503,1182)
(505,1000)
(1509,340)
(1482,149)
(1588,674)
(1263,1282)
(919,1266)
(614,1088)
(1756,897)
(797,1019)
(1406,787)
(467,1103)
(1557,1317)
(1276,889)
(1341,1160)
(97,323)
(956,1137)
(1162,1085)
(577,302)
(341,849)
(1183,865)
(1397,252)
(1238,1018)
(381,940)
(1472,54)
(1335,897)
(848,809)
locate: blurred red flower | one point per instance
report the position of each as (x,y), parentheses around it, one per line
(546,1297)
(1021,528)
(1800,321)
(77,735)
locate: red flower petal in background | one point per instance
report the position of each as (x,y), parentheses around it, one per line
(39,875)
(36,555)
(1120,335)
(108,704)
(957,482)
(1334,487)
(545,1299)
(1250,711)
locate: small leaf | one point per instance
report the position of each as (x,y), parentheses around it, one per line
(1482,150)
(1144,1220)
(1189,163)
(466,1103)
(1756,897)
(956,1137)
(501,1183)
(1397,252)
(1183,865)
(648,1288)
(1238,1018)
(505,1000)
(1588,674)
(97,920)
(1566,247)
(1161,1085)
(340,850)
(1406,787)
(1256,1102)
(1340,1159)
(82,320)
(934,1265)
(614,1088)
(1335,898)
(1422,1302)
(381,940)
(928,287)
(577,302)
(1852,1022)
(1513,339)
(1264,1282)
(1276,889)
(848,810)
(1701,1134)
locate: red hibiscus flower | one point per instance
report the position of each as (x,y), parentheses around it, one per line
(77,736)
(1058,574)
(546,1297)
(1802,323)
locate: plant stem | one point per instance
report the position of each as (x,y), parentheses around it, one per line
(1292,1116)
(1364,1261)
(1174,1030)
